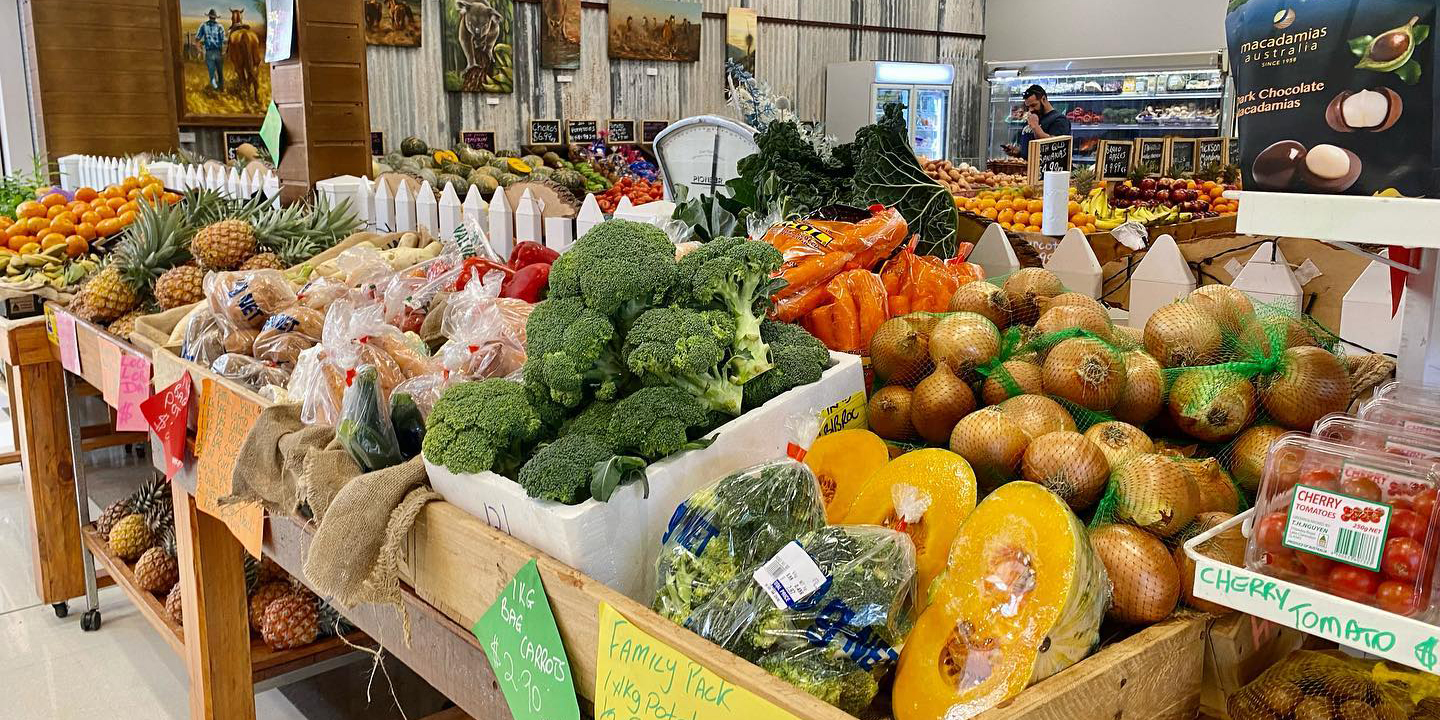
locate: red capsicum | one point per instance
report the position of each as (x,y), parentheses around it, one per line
(529,283)
(528,253)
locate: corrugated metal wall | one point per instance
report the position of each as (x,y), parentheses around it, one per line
(406,96)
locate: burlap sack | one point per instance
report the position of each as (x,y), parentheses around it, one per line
(289,466)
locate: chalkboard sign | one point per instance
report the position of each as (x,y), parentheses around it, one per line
(377,142)
(1115,158)
(652,128)
(479,139)
(1179,156)
(1232,151)
(1150,152)
(544,132)
(622,132)
(236,139)
(582,132)
(1048,155)
(1209,151)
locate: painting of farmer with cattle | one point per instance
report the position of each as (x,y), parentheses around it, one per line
(392,22)
(222,59)
(655,30)
(477,45)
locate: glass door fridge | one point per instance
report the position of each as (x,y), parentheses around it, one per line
(922,89)
(929,121)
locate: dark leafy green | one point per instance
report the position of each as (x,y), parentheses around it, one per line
(887,172)
(710,216)
(789,172)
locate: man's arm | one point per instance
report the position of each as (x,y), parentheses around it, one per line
(1033,121)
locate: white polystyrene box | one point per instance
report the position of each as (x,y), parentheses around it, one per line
(616,542)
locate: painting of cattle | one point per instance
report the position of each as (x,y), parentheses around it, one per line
(655,30)
(221,60)
(392,22)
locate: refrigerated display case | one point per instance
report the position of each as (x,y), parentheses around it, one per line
(922,89)
(1115,98)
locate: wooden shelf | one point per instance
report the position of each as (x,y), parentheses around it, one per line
(266,662)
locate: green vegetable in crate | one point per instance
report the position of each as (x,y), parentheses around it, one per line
(688,349)
(534,161)
(570,179)
(485,425)
(886,172)
(470,156)
(734,275)
(656,422)
(364,429)
(565,471)
(574,352)
(508,179)
(799,358)
(620,268)
(408,422)
(594,420)
(412,146)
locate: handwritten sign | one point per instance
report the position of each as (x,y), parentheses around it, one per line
(377,142)
(1151,154)
(621,132)
(639,677)
(168,412)
(844,414)
(651,129)
(1116,159)
(544,132)
(69,345)
(1049,155)
(134,388)
(1209,152)
(1179,156)
(582,132)
(225,420)
(279,31)
(233,141)
(110,373)
(1232,151)
(523,644)
(479,139)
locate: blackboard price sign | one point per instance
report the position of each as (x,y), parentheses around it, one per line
(1116,160)
(1179,156)
(622,132)
(234,140)
(479,139)
(377,142)
(582,132)
(1049,155)
(1151,154)
(1209,151)
(544,132)
(1232,151)
(650,129)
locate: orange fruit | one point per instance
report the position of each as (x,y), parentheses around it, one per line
(1032,229)
(62,225)
(91,217)
(1004,204)
(51,239)
(1006,216)
(54,211)
(1072,208)
(75,246)
(30,209)
(988,212)
(130,183)
(107,227)
(116,203)
(5,222)
(105,212)
(53,199)
(1035,206)
(130,206)
(1022,218)
(66,215)
(172,198)
(18,241)
(85,193)
(152,191)
(1089,228)
(126,217)
(86,230)
(133,194)
(37,225)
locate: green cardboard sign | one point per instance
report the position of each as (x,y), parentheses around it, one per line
(519,635)
(270,132)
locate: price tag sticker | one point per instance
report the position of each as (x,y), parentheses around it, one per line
(1339,527)
(523,645)
(790,576)
(844,414)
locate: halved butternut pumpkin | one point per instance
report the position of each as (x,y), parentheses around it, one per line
(843,461)
(1022,599)
(926,494)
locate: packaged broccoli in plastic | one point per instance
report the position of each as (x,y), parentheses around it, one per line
(826,613)
(724,531)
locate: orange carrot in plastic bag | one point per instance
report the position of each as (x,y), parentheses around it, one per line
(821,324)
(792,308)
(859,309)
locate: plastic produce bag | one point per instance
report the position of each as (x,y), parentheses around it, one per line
(202,342)
(255,374)
(244,300)
(365,428)
(409,423)
(1330,685)
(817,250)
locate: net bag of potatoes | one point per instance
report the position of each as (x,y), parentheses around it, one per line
(1329,685)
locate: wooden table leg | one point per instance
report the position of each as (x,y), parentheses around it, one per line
(38,407)
(217,628)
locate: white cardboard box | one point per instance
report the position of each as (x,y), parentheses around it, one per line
(616,542)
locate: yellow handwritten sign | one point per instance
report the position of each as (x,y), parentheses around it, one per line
(844,415)
(225,419)
(638,677)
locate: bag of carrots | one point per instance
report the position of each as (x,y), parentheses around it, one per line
(923,283)
(817,250)
(857,310)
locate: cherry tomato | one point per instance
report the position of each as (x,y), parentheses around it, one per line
(1404,558)
(1424,503)
(1408,523)
(1319,477)
(1398,598)
(1270,533)
(1353,583)
(1283,561)
(1362,488)
(1315,565)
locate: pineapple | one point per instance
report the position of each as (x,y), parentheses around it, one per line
(108,295)
(263,261)
(224,245)
(112,515)
(125,325)
(252,573)
(262,598)
(331,622)
(130,537)
(182,285)
(153,244)
(156,570)
(1083,178)
(173,605)
(154,502)
(291,621)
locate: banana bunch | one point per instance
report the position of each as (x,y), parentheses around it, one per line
(49,267)
(1163,215)
(1097,203)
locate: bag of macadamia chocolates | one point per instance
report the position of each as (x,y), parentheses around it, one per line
(1336,97)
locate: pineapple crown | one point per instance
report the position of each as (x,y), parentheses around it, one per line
(299,232)
(157,241)
(1083,178)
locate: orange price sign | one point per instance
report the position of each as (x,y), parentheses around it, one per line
(225,419)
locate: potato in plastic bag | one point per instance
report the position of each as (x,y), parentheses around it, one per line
(246,299)
(1330,685)
(319,385)
(202,342)
(253,373)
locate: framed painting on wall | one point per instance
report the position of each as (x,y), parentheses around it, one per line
(741,26)
(655,30)
(560,34)
(476,46)
(392,22)
(220,62)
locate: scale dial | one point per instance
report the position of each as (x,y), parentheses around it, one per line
(703,153)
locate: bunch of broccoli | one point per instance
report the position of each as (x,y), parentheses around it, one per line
(634,356)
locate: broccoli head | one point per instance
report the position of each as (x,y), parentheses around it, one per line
(655,422)
(479,426)
(687,349)
(593,420)
(846,687)
(573,351)
(561,471)
(800,359)
(734,275)
(620,268)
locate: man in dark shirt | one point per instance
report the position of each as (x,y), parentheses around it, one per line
(1042,121)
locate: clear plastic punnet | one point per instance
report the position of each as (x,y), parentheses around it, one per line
(1378,436)
(1412,418)
(1406,392)
(1350,521)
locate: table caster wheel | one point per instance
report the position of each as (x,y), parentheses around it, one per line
(90,621)
(61,609)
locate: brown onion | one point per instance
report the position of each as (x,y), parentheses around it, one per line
(1155,493)
(991,442)
(964,341)
(1228,547)
(1065,317)
(1311,384)
(889,413)
(900,349)
(1231,308)
(1213,486)
(1119,442)
(1144,581)
(1128,337)
(1212,404)
(1180,334)
(1022,376)
(1144,392)
(1247,455)
(985,299)
(939,401)
(1069,465)
(1025,287)
(1273,332)
(1085,371)
(1037,415)
(1073,299)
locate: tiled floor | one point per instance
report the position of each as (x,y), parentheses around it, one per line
(51,670)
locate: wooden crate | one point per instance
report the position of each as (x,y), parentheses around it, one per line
(1238,647)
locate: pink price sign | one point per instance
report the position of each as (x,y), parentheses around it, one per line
(134,389)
